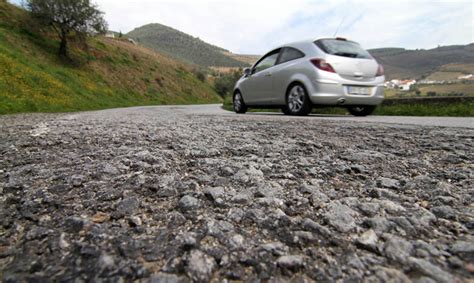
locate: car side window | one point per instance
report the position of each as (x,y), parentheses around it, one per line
(267,62)
(290,53)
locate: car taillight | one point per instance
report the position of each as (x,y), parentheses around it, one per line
(322,65)
(380,71)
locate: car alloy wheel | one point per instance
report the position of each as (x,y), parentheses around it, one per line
(296,98)
(238,103)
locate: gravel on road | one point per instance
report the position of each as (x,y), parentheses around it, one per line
(176,194)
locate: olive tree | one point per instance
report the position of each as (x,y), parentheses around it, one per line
(68,17)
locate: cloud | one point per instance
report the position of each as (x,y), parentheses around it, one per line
(254,27)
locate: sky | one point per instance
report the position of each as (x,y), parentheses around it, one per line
(256,26)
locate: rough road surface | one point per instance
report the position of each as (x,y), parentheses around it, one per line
(179,194)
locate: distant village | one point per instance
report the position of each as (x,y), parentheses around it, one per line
(407,85)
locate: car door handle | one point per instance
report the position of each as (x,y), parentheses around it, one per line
(268,75)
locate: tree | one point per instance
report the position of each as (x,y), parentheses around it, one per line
(68,17)
(224,84)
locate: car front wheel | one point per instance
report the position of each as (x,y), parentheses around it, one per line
(297,101)
(239,104)
(361,110)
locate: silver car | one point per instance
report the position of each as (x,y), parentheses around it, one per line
(325,72)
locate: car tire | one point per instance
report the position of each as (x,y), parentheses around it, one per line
(285,110)
(297,101)
(361,110)
(238,103)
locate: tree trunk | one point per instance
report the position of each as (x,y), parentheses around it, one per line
(63,45)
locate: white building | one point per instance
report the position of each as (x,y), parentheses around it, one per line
(406,85)
(466,77)
(110,34)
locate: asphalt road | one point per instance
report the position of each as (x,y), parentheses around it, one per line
(199,194)
(216,109)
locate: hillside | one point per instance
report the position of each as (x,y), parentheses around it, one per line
(183,46)
(107,73)
(403,63)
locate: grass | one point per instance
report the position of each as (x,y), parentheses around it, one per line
(466,89)
(109,73)
(442,110)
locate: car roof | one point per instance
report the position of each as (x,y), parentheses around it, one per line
(306,45)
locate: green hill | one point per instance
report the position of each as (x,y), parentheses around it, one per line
(183,46)
(105,73)
(402,63)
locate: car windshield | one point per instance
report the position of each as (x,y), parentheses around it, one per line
(343,48)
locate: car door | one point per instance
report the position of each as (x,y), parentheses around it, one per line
(259,85)
(285,67)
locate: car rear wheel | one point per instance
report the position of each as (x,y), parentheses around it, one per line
(361,110)
(239,104)
(297,101)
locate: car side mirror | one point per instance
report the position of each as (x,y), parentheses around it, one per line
(247,72)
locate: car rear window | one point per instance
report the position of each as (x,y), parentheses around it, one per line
(289,54)
(343,48)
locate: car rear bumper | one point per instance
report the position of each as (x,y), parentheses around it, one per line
(328,92)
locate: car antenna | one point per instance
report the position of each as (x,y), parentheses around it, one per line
(340,24)
(337,30)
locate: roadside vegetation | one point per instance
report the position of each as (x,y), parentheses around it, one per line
(456,89)
(459,109)
(101,73)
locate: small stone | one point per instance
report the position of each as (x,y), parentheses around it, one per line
(248,175)
(368,240)
(446,212)
(422,217)
(358,169)
(340,217)
(388,183)
(268,190)
(214,193)
(110,169)
(219,228)
(392,207)
(276,248)
(236,214)
(175,219)
(126,207)
(383,274)
(290,262)
(165,278)
(135,221)
(429,269)
(63,244)
(464,249)
(188,203)
(312,226)
(106,262)
(318,199)
(369,208)
(166,191)
(398,249)
(189,239)
(74,224)
(200,266)
(241,198)
(237,241)
(227,171)
(100,217)
(77,180)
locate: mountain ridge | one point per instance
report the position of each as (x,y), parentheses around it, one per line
(183,46)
